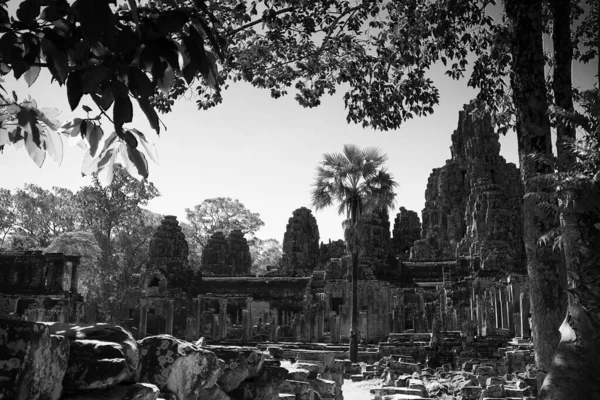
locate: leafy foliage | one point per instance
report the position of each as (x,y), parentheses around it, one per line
(265,253)
(113,54)
(220,214)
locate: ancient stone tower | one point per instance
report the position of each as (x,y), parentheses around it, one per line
(407,229)
(300,243)
(168,249)
(226,256)
(374,256)
(473,203)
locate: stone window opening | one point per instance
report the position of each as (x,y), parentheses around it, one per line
(493,176)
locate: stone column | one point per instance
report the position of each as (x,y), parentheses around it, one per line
(503,303)
(489,320)
(479,306)
(169,319)
(223,319)
(443,321)
(143,319)
(334,328)
(525,329)
(74,267)
(395,321)
(274,321)
(496,305)
(246,326)
(216,331)
(199,303)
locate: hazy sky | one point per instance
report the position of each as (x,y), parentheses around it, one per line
(261,151)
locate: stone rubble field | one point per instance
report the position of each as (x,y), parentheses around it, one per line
(52,361)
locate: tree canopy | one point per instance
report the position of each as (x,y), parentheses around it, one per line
(221,214)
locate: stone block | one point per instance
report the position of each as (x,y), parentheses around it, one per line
(178,367)
(298,374)
(239,364)
(272,375)
(493,390)
(404,367)
(32,361)
(311,367)
(302,390)
(471,392)
(135,391)
(250,390)
(213,393)
(322,386)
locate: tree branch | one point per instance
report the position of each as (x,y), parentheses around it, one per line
(258,21)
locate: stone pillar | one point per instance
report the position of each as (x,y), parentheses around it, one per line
(516,307)
(395,321)
(503,303)
(199,304)
(479,306)
(489,315)
(274,321)
(443,321)
(74,276)
(334,328)
(246,326)
(363,318)
(223,319)
(525,329)
(143,319)
(169,319)
(496,305)
(216,331)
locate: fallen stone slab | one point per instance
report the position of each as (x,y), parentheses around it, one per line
(178,367)
(471,392)
(392,390)
(322,386)
(287,396)
(302,390)
(136,391)
(249,390)
(322,366)
(298,374)
(33,362)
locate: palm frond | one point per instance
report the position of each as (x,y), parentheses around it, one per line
(353,154)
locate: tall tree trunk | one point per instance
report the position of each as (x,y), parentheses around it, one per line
(576,365)
(354,313)
(547,275)
(562,84)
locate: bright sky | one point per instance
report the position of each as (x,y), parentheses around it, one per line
(261,151)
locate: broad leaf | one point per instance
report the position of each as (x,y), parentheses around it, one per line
(35,152)
(149,148)
(59,60)
(53,145)
(93,137)
(139,161)
(32,74)
(92,77)
(72,128)
(150,114)
(74,89)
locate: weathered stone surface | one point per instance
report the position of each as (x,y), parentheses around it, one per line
(250,390)
(300,243)
(322,386)
(473,203)
(32,361)
(213,393)
(238,253)
(136,391)
(168,251)
(272,375)
(300,389)
(374,258)
(101,356)
(214,255)
(407,229)
(239,364)
(226,256)
(178,367)
(335,249)
(298,374)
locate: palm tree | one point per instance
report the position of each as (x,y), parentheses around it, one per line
(357,181)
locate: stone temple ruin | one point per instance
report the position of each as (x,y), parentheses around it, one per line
(463,264)
(448,292)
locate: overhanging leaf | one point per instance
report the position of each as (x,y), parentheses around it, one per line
(53,145)
(93,137)
(149,148)
(35,153)
(150,114)
(139,161)
(74,89)
(32,74)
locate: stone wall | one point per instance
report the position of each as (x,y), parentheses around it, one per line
(300,243)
